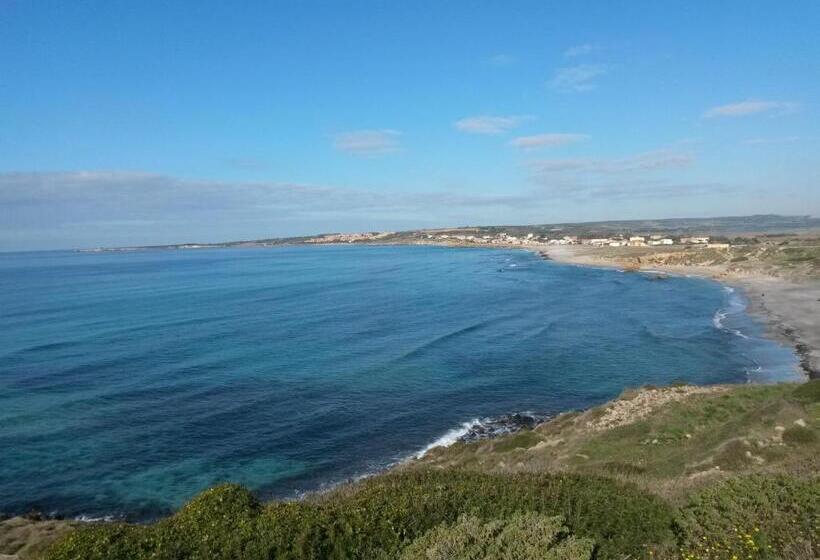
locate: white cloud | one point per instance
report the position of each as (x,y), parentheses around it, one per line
(486,124)
(579,50)
(577,78)
(367,142)
(751,107)
(548,139)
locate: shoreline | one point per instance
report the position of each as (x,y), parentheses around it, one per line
(788,309)
(753,286)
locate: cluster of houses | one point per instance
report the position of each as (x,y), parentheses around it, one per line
(533,239)
(506,239)
(498,239)
(349,237)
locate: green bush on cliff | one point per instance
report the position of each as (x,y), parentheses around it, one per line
(523,536)
(759,517)
(808,392)
(379,517)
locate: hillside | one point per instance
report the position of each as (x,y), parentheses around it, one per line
(669,441)
(680,472)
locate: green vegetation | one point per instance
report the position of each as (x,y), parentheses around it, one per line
(757,517)
(380,517)
(681,442)
(676,472)
(522,536)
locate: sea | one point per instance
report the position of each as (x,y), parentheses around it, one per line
(131,381)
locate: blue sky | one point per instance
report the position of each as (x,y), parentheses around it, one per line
(151,122)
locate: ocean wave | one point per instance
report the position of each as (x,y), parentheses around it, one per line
(735,305)
(450,437)
(83,518)
(485,428)
(419,350)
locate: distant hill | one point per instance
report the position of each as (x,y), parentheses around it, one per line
(719,226)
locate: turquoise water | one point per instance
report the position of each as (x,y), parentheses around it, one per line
(131,381)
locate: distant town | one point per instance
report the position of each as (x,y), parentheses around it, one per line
(506,240)
(713,233)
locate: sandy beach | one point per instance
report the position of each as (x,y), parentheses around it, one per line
(788,306)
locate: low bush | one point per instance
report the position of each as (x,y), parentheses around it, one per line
(379,517)
(799,435)
(808,392)
(758,517)
(523,536)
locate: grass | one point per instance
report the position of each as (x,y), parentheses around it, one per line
(675,449)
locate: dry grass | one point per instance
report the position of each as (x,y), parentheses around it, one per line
(669,441)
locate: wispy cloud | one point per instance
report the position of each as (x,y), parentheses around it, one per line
(751,107)
(577,78)
(648,161)
(487,124)
(54,198)
(501,60)
(246,163)
(545,140)
(776,140)
(580,50)
(70,209)
(640,176)
(367,143)
(632,190)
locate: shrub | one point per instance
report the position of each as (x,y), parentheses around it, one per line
(733,456)
(379,517)
(620,518)
(522,536)
(759,517)
(799,435)
(104,542)
(808,392)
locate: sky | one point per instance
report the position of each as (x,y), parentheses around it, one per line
(143,122)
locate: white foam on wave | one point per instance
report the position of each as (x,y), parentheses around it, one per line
(735,305)
(83,518)
(450,437)
(717,319)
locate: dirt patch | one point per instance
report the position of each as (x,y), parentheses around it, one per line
(627,411)
(22,538)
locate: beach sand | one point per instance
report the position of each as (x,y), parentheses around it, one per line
(788,306)
(791,311)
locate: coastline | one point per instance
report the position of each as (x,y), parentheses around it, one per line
(788,308)
(778,302)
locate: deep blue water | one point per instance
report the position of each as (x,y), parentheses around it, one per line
(131,381)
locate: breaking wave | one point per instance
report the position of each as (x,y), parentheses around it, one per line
(734,306)
(486,428)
